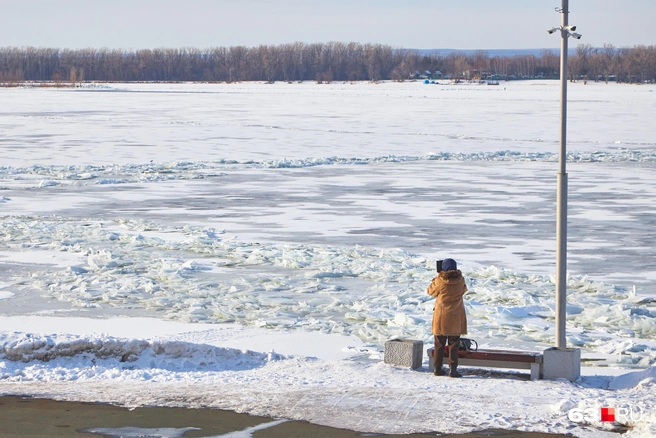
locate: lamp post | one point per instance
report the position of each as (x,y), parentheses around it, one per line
(566,31)
(559,361)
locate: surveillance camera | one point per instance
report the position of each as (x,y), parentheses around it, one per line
(577,35)
(552,30)
(571,28)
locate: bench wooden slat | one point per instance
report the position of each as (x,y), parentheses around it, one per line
(500,355)
(505,356)
(495,364)
(500,359)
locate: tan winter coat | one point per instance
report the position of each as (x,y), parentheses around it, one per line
(449,318)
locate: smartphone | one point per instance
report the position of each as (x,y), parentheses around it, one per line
(438,265)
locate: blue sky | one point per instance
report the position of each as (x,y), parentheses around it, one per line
(422,24)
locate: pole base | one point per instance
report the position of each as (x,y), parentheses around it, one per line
(561,364)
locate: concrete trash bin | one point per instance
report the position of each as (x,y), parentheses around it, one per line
(404,352)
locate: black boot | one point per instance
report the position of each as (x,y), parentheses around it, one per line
(438,358)
(439,371)
(453,371)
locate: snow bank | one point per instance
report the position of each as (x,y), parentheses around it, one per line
(636,379)
(156,354)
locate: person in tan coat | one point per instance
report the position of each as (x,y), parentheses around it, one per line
(449,318)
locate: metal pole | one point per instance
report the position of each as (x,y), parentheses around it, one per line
(561,201)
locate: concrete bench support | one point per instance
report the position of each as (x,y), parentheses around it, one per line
(498,359)
(404,352)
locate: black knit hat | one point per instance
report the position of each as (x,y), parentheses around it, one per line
(449,265)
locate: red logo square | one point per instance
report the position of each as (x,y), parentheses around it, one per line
(608,414)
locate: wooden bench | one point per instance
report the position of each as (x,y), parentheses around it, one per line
(497,359)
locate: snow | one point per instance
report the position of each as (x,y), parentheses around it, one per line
(127,432)
(217,367)
(4,295)
(251,247)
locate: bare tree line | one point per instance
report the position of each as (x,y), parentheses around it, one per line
(324,62)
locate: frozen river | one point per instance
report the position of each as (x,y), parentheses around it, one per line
(322,208)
